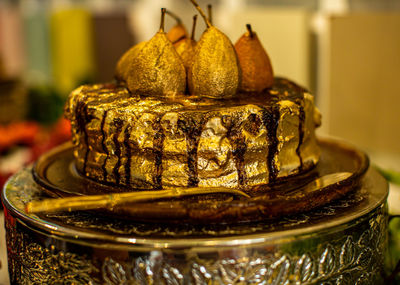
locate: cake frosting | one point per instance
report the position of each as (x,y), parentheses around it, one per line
(147,142)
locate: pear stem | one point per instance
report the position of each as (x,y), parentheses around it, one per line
(208,23)
(162,24)
(194,26)
(173,15)
(248,26)
(209,7)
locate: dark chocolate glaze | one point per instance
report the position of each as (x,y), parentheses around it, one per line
(128,155)
(270,119)
(118,123)
(192,130)
(103,143)
(158,145)
(283,89)
(253,124)
(82,120)
(238,144)
(239,149)
(302,117)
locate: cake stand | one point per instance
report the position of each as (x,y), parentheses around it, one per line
(343,241)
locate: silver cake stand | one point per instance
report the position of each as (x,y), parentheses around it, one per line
(342,242)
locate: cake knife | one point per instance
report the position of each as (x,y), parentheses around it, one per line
(109,201)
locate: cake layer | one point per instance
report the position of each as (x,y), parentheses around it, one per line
(151,143)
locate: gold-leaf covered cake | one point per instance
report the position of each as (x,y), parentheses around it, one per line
(137,138)
(148,142)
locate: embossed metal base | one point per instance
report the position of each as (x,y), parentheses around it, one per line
(343,242)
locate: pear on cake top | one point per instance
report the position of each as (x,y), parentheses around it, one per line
(173,63)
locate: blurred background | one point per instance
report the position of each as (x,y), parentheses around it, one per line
(347,52)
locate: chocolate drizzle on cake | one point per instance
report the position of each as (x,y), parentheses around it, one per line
(239,149)
(128,155)
(118,123)
(158,142)
(238,144)
(81,108)
(271,120)
(192,130)
(296,93)
(103,144)
(302,117)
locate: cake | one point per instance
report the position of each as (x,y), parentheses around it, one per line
(149,143)
(144,138)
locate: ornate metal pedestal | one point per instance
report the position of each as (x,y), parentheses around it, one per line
(343,241)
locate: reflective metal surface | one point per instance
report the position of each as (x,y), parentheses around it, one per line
(343,242)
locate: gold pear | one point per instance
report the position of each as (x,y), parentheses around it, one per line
(187,47)
(215,70)
(122,69)
(177,34)
(257,73)
(157,69)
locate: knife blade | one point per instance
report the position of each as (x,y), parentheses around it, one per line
(110,201)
